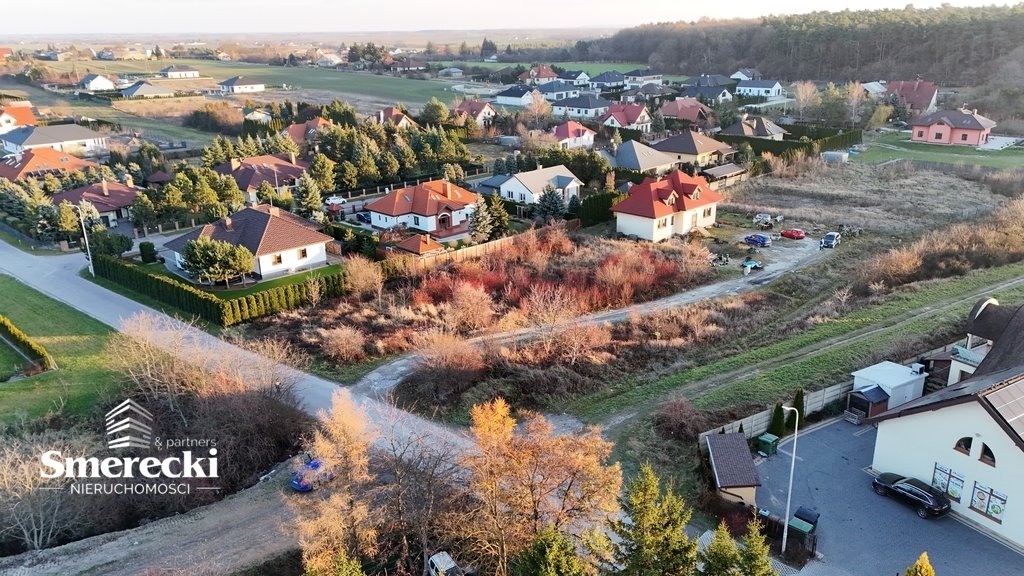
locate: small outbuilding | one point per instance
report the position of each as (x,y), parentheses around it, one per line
(733,467)
(883,386)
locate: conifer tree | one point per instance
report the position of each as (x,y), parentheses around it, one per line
(481,225)
(307,196)
(499,217)
(551,554)
(923,567)
(754,559)
(778,424)
(550,204)
(720,558)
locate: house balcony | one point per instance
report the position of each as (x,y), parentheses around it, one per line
(971,356)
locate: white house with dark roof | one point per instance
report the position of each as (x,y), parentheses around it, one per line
(518,95)
(67,138)
(586,106)
(575,77)
(527,187)
(558,90)
(642,76)
(179,71)
(766,88)
(746,74)
(241,85)
(610,80)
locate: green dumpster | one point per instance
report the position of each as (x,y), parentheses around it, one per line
(768,444)
(799,530)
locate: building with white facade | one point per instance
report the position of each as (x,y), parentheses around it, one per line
(658,209)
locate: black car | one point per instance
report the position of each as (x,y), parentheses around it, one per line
(363,217)
(927,501)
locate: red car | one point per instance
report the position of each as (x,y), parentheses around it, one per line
(794,234)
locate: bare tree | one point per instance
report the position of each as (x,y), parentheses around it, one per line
(472,308)
(538,109)
(547,306)
(806,96)
(577,340)
(314,290)
(854,98)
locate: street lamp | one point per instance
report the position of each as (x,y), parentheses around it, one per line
(792,467)
(85,236)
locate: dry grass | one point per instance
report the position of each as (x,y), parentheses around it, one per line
(891,200)
(162,108)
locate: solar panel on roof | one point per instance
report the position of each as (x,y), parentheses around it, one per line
(1009,403)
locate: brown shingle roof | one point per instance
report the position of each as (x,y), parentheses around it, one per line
(689,109)
(277,169)
(757,127)
(917,94)
(105,196)
(262,229)
(964,119)
(420,244)
(731,462)
(426,199)
(691,143)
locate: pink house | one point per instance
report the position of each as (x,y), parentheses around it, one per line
(952,127)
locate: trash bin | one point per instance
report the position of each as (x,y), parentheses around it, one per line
(809,515)
(799,530)
(768,444)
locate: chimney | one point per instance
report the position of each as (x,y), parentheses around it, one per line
(291,157)
(235,164)
(129,181)
(447,188)
(540,166)
(227,223)
(106,191)
(274,211)
(975,111)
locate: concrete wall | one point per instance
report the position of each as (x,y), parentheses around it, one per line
(316,255)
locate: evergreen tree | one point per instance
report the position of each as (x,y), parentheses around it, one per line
(653,541)
(481,225)
(778,423)
(499,167)
(923,567)
(550,205)
(107,243)
(499,217)
(307,196)
(321,170)
(798,403)
(551,554)
(388,166)
(574,205)
(616,137)
(266,193)
(347,176)
(657,122)
(720,558)
(67,220)
(511,165)
(754,558)
(143,210)
(434,113)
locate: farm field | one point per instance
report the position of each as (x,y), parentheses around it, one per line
(897,146)
(77,344)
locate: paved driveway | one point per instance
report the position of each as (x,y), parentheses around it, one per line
(859,531)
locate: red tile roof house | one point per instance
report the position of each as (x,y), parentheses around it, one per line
(395,116)
(281,170)
(13,116)
(658,209)
(572,134)
(482,112)
(918,95)
(307,133)
(282,242)
(538,75)
(952,127)
(420,245)
(438,207)
(112,200)
(6,53)
(688,110)
(631,116)
(37,162)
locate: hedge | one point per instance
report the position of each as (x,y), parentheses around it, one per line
(22,342)
(207,306)
(762,145)
(821,139)
(597,208)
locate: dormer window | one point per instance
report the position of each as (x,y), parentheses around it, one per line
(696,194)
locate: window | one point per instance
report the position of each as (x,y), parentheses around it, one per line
(949,481)
(920,133)
(275,259)
(416,220)
(963,137)
(964,445)
(938,135)
(303,254)
(987,456)
(522,197)
(988,502)
(662,223)
(707,212)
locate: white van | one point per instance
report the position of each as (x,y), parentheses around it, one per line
(441,564)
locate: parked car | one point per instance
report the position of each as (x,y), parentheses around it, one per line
(309,475)
(926,500)
(762,217)
(831,240)
(441,564)
(363,217)
(794,234)
(335,201)
(758,240)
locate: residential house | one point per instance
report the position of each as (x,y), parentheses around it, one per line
(519,95)
(632,155)
(394,115)
(241,85)
(281,170)
(575,77)
(450,72)
(408,65)
(492,59)
(438,207)
(257,115)
(420,245)
(710,81)
(675,205)
(112,200)
(766,88)
(527,187)
(688,110)
(307,134)
(38,162)
(179,71)
(6,54)
(639,77)
(884,386)
(716,94)
(537,75)
(874,90)
(629,116)
(744,74)
(649,93)
(158,179)
(695,148)
(142,89)
(68,138)
(724,175)
(13,116)
(732,467)
(989,325)
(482,112)
(330,61)
(608,81)
(282,243)
(952,127)
(755,127)
(918,95)
(558,90)
(96,83)
(572,134)
(587,106)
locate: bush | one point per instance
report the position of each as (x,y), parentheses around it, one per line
(471,308)
(21,341)
(344,344)
(147,251)
(678,420)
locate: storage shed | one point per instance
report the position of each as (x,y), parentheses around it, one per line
(733,467)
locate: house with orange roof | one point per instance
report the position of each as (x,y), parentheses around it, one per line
(112,200)
(674,205)
(571,134)
(307,133)
(630,116)
(6,53)
(420,245)
(540,74)
(38,162)
(13,116)
(482,112)
(438,207)
(394,115)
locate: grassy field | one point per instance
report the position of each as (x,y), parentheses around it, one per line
(275,283)
(78,345)
(11,362)
(591,68)
(897,145)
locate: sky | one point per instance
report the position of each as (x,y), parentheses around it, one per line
(233,16)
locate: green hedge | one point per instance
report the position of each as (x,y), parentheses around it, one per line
(762,145)
(597,208)
(22,342)
(207,306)
(822,139)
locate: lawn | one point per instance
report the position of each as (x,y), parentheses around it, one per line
(268,284)
(897,145)
(11,362)
(78,345)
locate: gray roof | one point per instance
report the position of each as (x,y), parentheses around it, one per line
(557,86)
(611,76)
(650,90)
(640,72)
(757,83)
(633,155)
(988,319)
(585,101)
(731,462)
(749,72)
(956,119)
(90,77)
(179,68)
(693,143)
(724,170)
(493,182)
(240,81)
(557,176)
(705,91)
(45,135)
(755,126)
(517,91)
(711,80)
(1008,345)
(874,394)
(142,88)
(570,74)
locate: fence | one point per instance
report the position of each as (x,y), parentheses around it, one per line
(21,237)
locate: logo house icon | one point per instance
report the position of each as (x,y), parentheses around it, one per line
(129,426)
